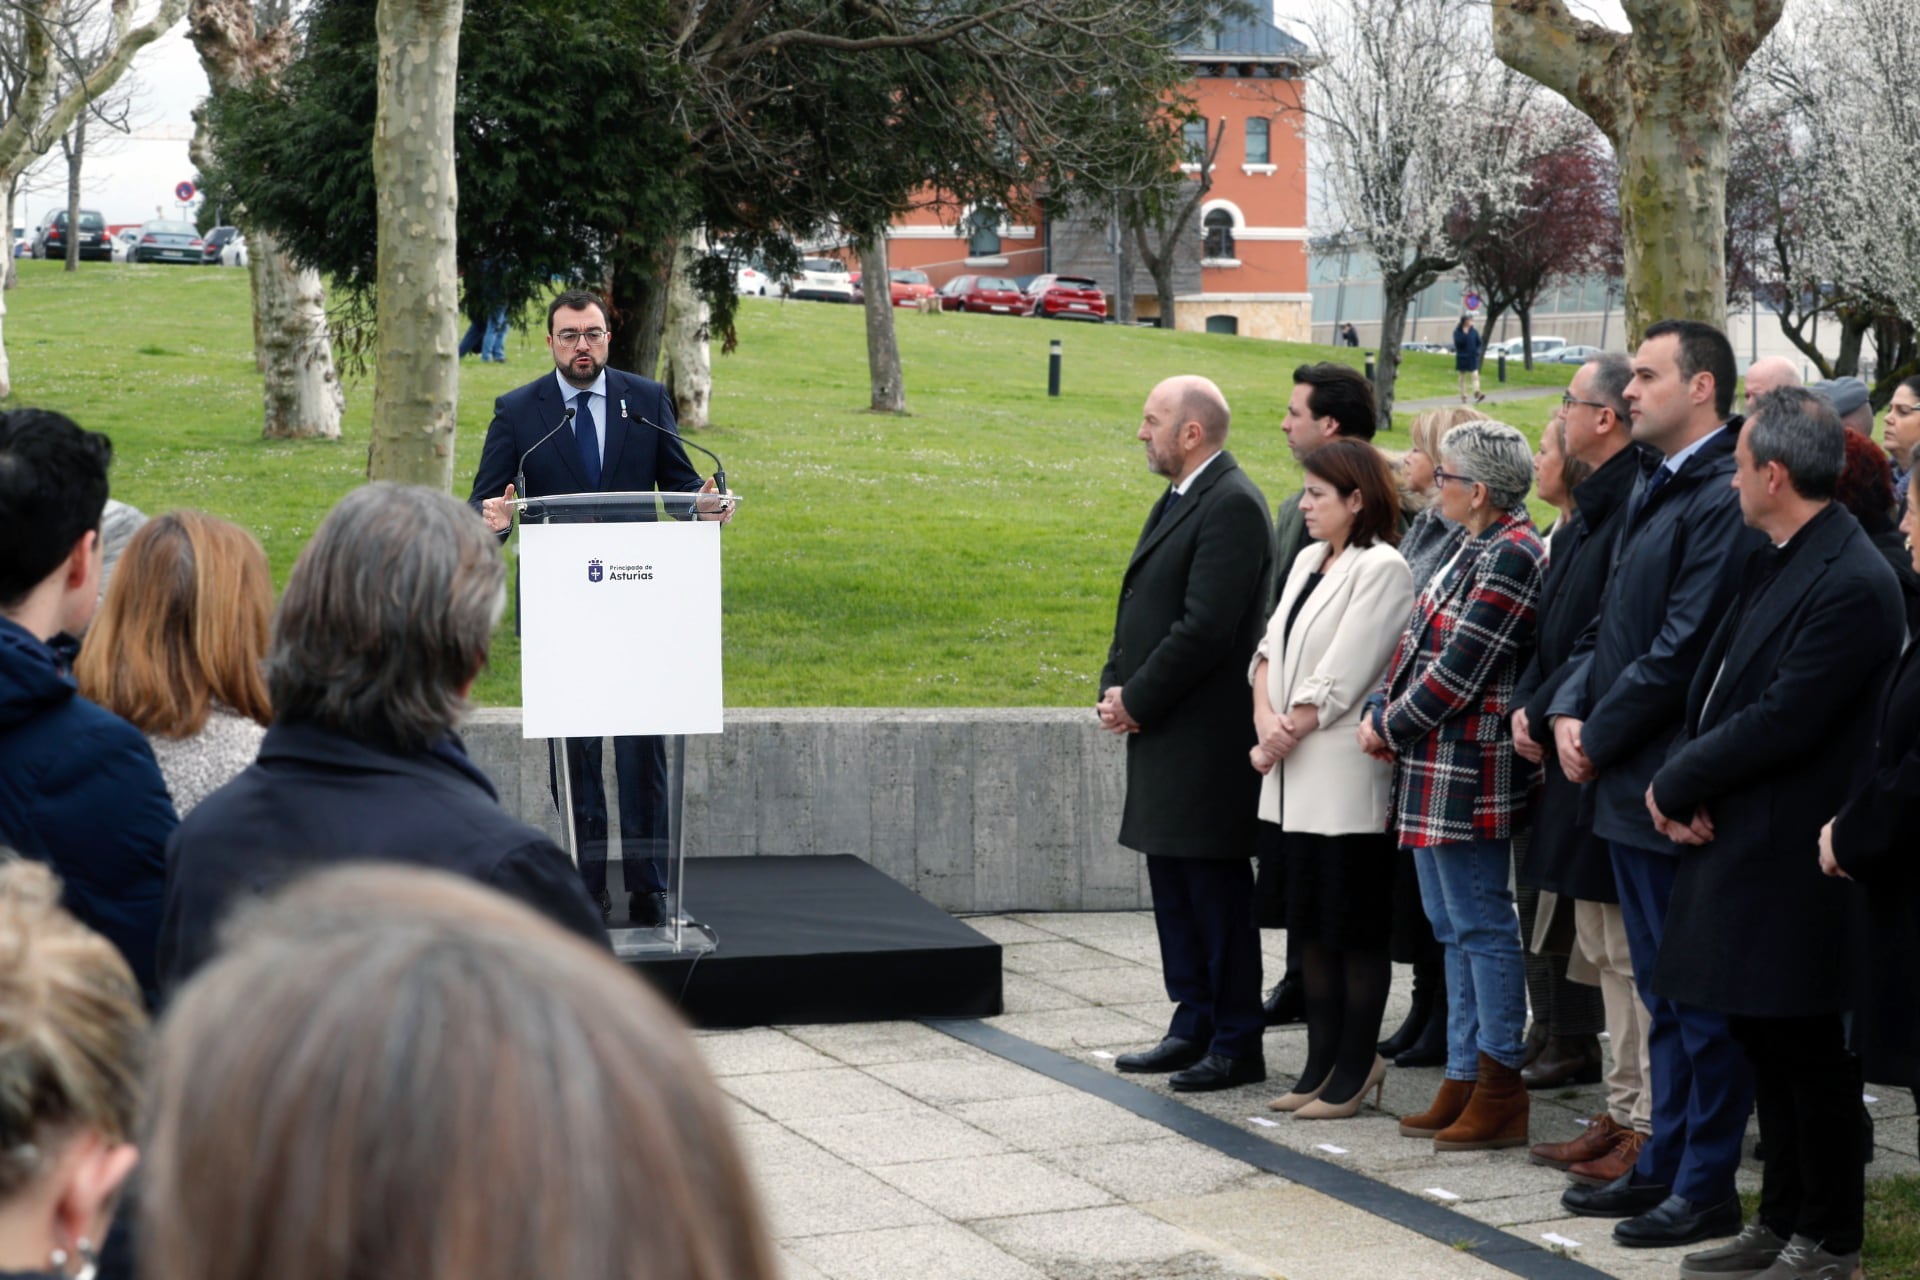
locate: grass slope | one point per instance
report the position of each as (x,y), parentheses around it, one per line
(966,555)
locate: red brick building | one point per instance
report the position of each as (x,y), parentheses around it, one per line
(1245,268)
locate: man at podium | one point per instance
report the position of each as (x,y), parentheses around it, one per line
(585,428)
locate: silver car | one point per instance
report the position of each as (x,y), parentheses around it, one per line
(165,240)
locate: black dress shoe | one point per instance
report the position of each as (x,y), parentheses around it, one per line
(1285,1003)
(1621,1198)
(1676,1221)
(1171,1054)
(605,902)
(647,910)
(1217,1071)
(1430,1049)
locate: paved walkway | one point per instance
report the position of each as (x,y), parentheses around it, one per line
(903,1152)
(1495,394)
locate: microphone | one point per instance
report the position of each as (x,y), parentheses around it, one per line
(719,468)
(520,476)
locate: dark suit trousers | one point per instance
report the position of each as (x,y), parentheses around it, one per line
(1702,1083)
(1209,951)
(1807,1090)
(640,772)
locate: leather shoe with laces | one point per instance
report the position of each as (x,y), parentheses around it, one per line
(1217,1071)
(1678,1220)
(1805,1259)
(647,910)
(1286,1003)
(1741,1258)
(1621,1198)
(1171,1054)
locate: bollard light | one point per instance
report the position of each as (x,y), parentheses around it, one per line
(1053,367)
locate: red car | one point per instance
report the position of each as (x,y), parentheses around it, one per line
(906,286)
(1066,298)
(992,295)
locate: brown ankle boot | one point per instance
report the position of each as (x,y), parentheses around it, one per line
(1496,1115)
(1446,1108)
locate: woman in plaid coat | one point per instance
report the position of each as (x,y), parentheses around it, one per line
(1459,788)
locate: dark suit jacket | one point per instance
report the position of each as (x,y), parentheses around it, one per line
(1795,672)
(1191,614)
(317,799)
(635,458)
(1564,854)
(1873,840)
(1289,536)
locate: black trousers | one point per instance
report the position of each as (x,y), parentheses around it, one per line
(1209,951)
(640,774)
(1807,1091)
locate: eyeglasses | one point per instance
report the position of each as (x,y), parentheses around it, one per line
(1441,477)
(1568,400)
(572,337)
(1902,410)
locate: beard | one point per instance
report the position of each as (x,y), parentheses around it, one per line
(570,368)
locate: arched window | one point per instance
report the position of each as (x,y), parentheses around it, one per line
(983,234)
(1258,150)
(1218,228)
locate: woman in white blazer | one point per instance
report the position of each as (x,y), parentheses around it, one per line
(1346,600)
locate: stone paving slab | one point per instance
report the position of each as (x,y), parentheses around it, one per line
(937,1251)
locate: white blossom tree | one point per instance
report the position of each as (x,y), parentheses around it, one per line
(1411,115)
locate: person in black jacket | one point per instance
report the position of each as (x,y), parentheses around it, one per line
(384,626)
(1468,346)
(1191,613)
(1564,857)
(1796,663)
(1613,719)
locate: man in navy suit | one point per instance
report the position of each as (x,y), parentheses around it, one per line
(608,448)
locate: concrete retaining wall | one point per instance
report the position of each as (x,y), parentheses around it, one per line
(976,810)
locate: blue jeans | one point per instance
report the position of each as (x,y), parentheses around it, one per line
(493,345)
(1464,890)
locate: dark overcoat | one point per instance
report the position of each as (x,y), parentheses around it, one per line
(1564,855)
(1191,613)
(1779,721)
(1873,840)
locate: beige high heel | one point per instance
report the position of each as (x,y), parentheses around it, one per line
(1320,1109)
(1297,1099)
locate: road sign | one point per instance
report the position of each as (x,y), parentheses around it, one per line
(183,192)
(1473,302)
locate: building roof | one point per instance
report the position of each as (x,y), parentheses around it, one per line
(1249,39)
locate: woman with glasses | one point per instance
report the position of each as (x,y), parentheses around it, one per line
(1901,434)
(1346,598)
(1460,790)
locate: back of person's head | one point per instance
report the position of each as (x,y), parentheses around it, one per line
(1866,484)
(184,625)
(53,487)
(1430,427)
(1703,349)
(387,617)
(73,1045)
(1353,466)
(396,1072)
(1798,429)
(1341,392)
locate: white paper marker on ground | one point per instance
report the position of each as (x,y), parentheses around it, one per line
(1554,1237)
(1328,1146)
(1441,1193)
(1263,1122)
(1101,1053)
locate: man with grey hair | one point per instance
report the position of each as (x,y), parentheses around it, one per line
(1851,400)
(1799,658)
(1565,857)
(383,628)
(1190,614)
(1768,373)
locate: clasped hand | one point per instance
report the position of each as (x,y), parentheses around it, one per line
(1697,831)
(1280,734)
(1113,714)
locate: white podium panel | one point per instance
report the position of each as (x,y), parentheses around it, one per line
(620,628)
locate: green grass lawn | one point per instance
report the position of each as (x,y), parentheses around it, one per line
(965,555)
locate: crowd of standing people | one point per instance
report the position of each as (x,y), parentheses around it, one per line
(1641,771)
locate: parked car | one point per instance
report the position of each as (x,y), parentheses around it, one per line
(1427,348)
(1576,355)
(167,240)
(749,279)
(909,286)
(824,279)
(235,252)
(50,241)
(1512,347)
(217,239)
(988,295)
(1058,297)
(123,242)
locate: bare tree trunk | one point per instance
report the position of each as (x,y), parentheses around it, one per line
(1123,284)
(1386,363)
(75,150)
(689,379)
(638,297)
(13,199)
(416,387)
(303,396)
(1526,335)
(889,392)
(1663,94)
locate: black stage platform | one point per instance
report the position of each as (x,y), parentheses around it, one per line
(822,940)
